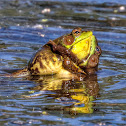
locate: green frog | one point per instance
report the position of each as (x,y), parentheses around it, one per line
(70,55)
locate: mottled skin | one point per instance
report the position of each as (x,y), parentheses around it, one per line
(67,56)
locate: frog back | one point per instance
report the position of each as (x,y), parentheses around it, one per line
(45,62)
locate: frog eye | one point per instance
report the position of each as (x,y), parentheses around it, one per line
(76,32)
(98,50)
(68,40)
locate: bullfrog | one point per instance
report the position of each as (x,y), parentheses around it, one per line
(67,56)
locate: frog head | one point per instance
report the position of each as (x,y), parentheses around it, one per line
(80,46)
(84,46)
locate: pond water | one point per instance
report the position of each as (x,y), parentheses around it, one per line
(25,25)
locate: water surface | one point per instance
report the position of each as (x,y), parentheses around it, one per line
(98,100)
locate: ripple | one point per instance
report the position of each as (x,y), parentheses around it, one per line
(25,26)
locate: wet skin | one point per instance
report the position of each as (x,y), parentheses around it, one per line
(71,55)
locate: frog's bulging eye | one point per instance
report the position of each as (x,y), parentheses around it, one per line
(68,40)
(98,50)
(76,32)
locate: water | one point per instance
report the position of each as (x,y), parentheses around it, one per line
(99,100)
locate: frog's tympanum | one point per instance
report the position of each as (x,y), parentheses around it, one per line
(70,55)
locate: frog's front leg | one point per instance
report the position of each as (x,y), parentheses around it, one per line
(70,61)
(69,65)
(63,51)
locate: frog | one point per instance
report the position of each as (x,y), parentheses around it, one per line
(70,55)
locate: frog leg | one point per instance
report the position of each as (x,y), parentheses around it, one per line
(19,73)
(63,51)
(70,61)
(53,45)
(72,67)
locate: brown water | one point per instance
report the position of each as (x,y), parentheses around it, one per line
(25,25)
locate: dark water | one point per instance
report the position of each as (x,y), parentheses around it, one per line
(25,25)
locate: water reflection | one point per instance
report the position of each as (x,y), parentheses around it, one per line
(108,21)
(74,96)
